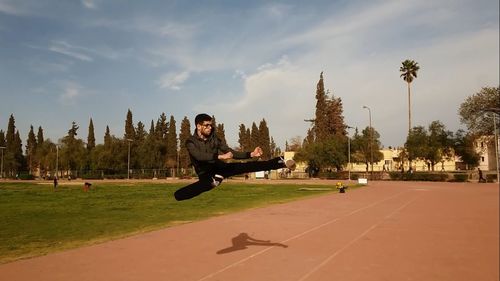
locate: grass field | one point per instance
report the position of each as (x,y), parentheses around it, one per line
(37,220)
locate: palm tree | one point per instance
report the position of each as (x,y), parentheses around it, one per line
(408,72)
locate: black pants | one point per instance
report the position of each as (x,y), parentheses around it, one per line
(226,170)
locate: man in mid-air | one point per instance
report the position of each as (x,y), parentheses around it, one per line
(208,152)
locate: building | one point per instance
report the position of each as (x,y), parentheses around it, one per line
(392,161)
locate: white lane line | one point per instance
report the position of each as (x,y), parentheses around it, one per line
(332,256)
(298,236)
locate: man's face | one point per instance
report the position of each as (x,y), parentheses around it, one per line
(205,128)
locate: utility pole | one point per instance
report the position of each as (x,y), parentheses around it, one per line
(128,162)
(349,151)
(1,166)
(371,138)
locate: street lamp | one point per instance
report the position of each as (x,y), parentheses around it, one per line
(128,163)
(496,145)
(57,159)
(1,166)
(349,151)
(371,137)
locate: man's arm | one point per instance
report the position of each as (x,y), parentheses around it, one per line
(234,154)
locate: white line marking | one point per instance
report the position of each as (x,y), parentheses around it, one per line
(297,236)
(327,260)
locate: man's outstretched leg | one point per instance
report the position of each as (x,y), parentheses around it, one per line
(225,170)
(232,169)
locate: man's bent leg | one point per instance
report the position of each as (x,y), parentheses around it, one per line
(194,189)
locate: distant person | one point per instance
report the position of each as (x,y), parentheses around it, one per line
(55,182)
(86,186)
(208,152)
(481,179)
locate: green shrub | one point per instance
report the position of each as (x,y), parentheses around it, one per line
(396,176)
(23,176)
(92,176)
(418,176)
(491,178)
(355,176)
(460,177)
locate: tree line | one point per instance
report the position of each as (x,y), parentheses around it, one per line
(327,142)
(157,152)
(160,150)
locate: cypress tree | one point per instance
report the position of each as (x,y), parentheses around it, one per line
(264,139)
(39,136)
(140,133)
(336,125)
(254,137)
(152,128)
(248,138)
(140,145)
(73,152)
(321,121)
(274,148)
(242,138)
(129,127)
(31,146)
(91,136)
(185,133)
(160,145)
(11,132)
(221,133)
(161,127)
(13,154)
(309,138)
(2,138)
(18,152)
(107,137)
(171,143)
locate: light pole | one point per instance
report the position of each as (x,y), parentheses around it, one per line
(1,166)
(496,145)
(128,162)
(57,160)
(371,138)
(349,151)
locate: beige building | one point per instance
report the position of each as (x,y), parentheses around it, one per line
(485,146)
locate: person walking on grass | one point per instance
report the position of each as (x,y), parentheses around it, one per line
(208,154)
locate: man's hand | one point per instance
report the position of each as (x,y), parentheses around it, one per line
(257,152)
(226,156)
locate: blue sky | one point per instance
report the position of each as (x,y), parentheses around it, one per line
(64,61)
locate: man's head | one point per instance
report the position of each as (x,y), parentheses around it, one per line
(203,124)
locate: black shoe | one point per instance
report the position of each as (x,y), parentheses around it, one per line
(217,180)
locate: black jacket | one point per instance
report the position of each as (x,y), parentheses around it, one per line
(204,153)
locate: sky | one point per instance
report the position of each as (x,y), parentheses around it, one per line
(241,61)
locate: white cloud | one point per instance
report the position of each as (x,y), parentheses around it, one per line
(173,80)
(7,7)
(89,4)
(64,48)
(238,73)
(276,10)
(276,92)
(71,91)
